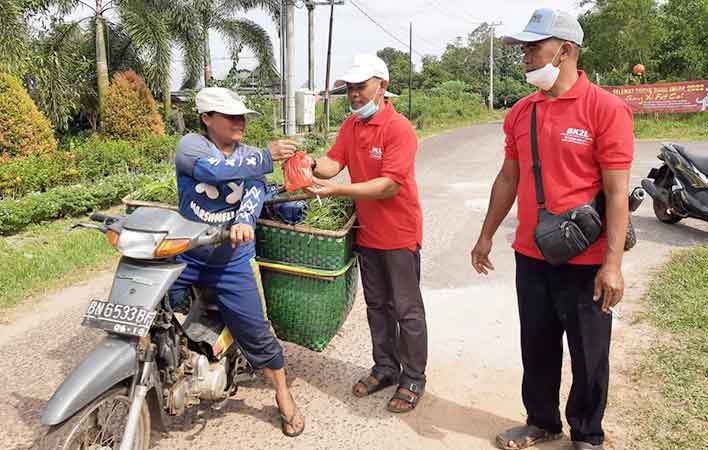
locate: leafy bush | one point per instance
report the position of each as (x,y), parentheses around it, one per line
(130,111)
(24,130)
(85,161)
(66,201)
(446,105)
(161,191)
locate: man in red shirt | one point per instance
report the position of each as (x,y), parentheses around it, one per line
(586,145)
(378,146)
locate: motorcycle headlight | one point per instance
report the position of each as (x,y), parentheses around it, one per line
(139,245)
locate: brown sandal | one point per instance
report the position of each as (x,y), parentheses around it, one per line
(411,400)
(371,388)
(285,421)
(524,437)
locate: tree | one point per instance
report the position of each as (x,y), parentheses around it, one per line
(147,24)
(199,17)
(130,111)
(432,73)
(620,34)
(13,37)
(398,68)
(683,47)
(23,128)
(99,8)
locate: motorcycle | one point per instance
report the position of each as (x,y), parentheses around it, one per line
(154,361)
(679,187)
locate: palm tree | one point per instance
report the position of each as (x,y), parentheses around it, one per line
(222,16)
(154,26)
(98,9)
(147,24)
(13,37)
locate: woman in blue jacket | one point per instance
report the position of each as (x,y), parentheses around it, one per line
(221,182)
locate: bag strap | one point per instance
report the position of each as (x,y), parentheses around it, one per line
(598,202)
(540,196)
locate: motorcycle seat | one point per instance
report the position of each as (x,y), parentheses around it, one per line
(700,160)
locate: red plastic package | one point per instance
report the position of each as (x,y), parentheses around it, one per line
(297,172)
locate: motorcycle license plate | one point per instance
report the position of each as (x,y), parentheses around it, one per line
(122,319)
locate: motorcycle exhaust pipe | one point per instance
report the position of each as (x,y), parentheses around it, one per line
(650,188)
(636,198)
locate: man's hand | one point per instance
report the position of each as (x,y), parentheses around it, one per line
(609,286)
(323,188)
(241,233)
(282,149)
(480,256)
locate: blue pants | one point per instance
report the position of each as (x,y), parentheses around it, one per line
(239,294)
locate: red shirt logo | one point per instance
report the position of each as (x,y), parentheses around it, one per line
(376,154)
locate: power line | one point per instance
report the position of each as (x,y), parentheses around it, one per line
(455,15)
(382,27)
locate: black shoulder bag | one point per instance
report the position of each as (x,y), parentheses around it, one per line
(562,237)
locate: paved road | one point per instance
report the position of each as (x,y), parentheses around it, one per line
(474,366)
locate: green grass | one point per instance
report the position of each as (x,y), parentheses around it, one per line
(671,126)
(48,256)
(677,366)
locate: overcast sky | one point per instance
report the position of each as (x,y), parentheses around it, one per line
(435,24)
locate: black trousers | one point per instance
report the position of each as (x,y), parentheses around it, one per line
(394,308)
(554,300)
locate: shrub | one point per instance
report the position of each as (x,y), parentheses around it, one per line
(66,201)
(130,111)
(437,108)
(24,130)
(84,161)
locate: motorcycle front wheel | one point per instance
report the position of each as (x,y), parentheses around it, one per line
(99,426)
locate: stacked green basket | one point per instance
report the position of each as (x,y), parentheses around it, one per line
(309,279)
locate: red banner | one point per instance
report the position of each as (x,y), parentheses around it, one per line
(684,97)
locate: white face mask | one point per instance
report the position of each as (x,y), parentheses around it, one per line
(367,110)
(545,77)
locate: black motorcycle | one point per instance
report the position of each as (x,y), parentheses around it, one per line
(679,188)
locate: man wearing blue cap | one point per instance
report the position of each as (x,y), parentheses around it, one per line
(566,145)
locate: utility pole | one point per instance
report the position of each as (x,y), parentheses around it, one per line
(331,4)
(284,104)
(410,74)
(311,45)
(491,64)
(329,66)
(290,129)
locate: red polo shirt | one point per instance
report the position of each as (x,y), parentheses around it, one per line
(580,133)
(385,146)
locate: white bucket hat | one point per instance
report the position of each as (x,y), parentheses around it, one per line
(221,100)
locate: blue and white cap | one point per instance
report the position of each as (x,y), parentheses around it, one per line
(547,23)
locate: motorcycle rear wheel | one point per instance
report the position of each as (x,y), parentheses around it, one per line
(89,429)
(661,211)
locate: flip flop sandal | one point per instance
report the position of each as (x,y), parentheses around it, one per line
(370,387)
(524,437)
(411,400)
(285,421)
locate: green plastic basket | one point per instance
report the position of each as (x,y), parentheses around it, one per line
(305,246)
(306,306)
